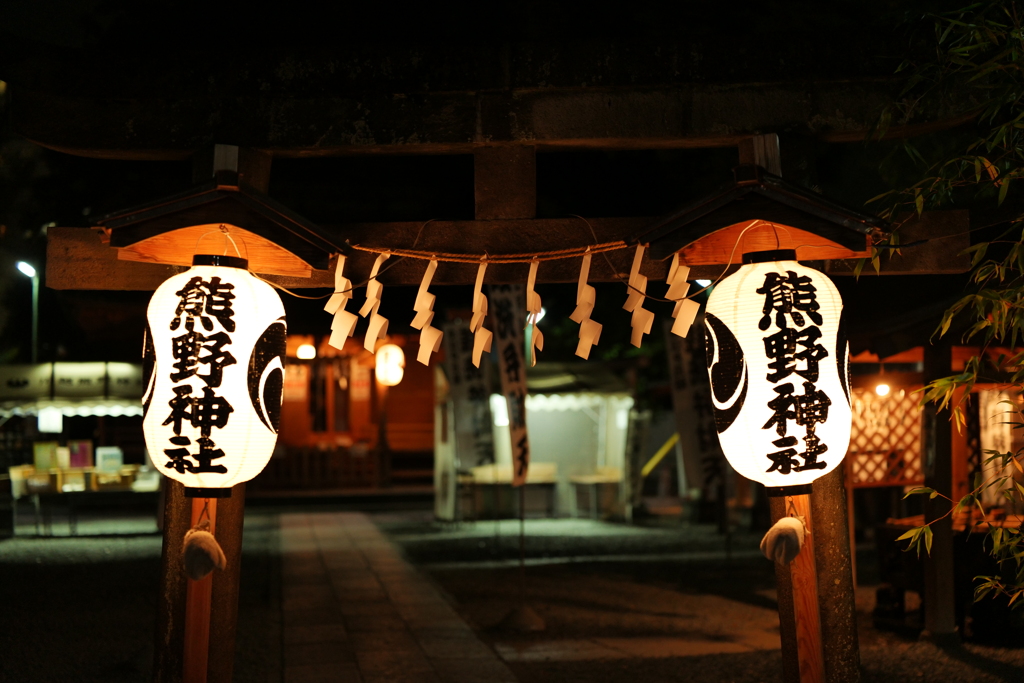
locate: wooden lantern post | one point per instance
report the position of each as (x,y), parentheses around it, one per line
(815,591)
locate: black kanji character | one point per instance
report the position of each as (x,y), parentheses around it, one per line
(522,457)
(516,409)
(203,413)
(812,449)
(201,299)
(177,455)
(788,295)
(187,350)
(505,317)
(210,411)
(511,355)
(181,408)
(783,407)
(208,452)
(782,348)
(784,461)
(812,406)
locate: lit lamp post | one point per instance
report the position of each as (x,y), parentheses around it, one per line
(28,270)
(389,368)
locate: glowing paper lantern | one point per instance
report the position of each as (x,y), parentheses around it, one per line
(215,349)
(390,365)
(778,360)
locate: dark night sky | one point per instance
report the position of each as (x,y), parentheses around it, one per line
(40,187)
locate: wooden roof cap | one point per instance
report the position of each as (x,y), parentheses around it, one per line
(223,200)
(756,195)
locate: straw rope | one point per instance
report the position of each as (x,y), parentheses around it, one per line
(448,257)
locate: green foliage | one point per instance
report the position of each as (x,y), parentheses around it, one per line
(978,68)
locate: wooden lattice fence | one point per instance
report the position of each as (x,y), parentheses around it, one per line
(885,443)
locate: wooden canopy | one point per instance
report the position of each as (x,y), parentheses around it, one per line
(709,231)
(275,239)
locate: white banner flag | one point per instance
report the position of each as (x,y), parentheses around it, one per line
(509,319)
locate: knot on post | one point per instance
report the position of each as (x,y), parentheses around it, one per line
(783,541)
(201,552)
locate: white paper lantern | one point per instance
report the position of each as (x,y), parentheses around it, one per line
(215,349)
(389,365)
(778,359)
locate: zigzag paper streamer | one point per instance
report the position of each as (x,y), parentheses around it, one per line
(378,327)
(482,337)
(642,318)
(586,295)
(533,306)
(344,323)
(685,310)
(430,337)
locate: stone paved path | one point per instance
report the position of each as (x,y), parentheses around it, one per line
(356,611)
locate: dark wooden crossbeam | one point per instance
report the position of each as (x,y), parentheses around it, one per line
(656,117)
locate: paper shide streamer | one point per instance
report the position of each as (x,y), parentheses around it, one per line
(533,306)
(586,296)
(685,310)
(430,336)
(482,337)
(378,328)
(344,323)
(642,318)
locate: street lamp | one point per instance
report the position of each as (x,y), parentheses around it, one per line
(27,269)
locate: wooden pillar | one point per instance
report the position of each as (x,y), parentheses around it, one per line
(222,598)
(505,182)
(799,615)
(249,166)
(939,597)
(168,661)
(836,599)
(197,604)
(224,601)
(829,540)
(762,150)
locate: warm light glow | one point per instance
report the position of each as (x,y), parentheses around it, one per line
(215,341)
(778,363)
(882,390)
(26,268)
(390,368)
(499,410)
(306,352)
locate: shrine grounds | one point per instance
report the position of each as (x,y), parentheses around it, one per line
(346,596)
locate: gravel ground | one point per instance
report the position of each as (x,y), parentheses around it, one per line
(609,589)
(83,609)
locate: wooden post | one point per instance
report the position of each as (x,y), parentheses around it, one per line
(834,564)
(939,596)
(180,626)
(830,566)
(762,150)
(170,637)
(197,605)
(505,182)
(224,601)
(799,616)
